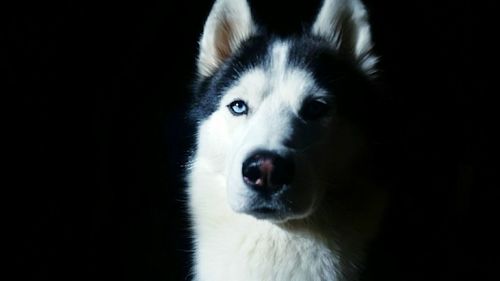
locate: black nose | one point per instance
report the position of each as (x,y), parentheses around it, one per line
(267,171)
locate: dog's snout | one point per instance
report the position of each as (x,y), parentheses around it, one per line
(267,171)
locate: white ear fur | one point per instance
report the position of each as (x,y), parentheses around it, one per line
(345,24)
(228,25)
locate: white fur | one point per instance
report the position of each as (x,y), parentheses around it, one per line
(325,237)
(276,92)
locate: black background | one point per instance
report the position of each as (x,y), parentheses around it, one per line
(98,136)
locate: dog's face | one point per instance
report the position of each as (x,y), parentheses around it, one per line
(273,121)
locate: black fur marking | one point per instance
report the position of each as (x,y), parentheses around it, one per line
(342,78)
(208,91)
(351,90)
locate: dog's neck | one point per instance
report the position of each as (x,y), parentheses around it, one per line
(328,245)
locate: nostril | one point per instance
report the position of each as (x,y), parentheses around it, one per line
(251,172)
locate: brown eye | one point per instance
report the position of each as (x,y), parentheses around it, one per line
(314,109)
(238,107)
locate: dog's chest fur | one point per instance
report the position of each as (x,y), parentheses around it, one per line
(260,251)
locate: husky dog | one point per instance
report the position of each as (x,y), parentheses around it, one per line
(276,184)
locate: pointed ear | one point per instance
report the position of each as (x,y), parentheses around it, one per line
(345,24)
(228,25)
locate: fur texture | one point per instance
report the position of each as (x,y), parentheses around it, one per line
(302,98)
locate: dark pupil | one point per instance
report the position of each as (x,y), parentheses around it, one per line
(238,105)
(313,110)
(238,108)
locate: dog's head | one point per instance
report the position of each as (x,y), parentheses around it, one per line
(278,116)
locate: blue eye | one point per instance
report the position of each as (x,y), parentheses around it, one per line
(238,107)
